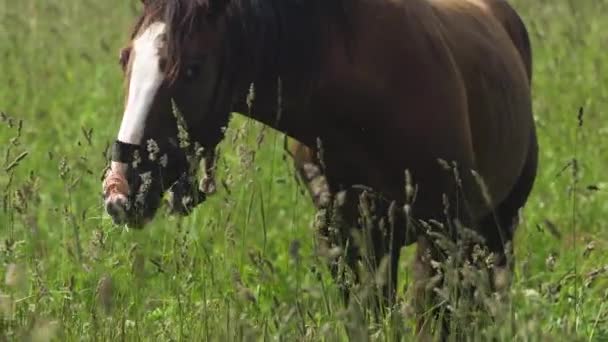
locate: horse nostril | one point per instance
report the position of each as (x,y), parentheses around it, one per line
(117,208)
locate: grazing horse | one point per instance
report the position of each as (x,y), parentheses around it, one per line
(386,100)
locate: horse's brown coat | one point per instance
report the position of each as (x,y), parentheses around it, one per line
(464,96)
(405,84)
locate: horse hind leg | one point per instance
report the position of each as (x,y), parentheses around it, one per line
(498,228)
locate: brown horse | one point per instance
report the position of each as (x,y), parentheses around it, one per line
(369,89)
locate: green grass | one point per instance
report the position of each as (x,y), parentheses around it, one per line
(233,269)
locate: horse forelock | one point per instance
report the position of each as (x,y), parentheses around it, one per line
(182,18)
(152,13)
(158,10)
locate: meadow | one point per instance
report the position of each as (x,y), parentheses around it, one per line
(243,265)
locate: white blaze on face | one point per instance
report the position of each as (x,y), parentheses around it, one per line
(146,78)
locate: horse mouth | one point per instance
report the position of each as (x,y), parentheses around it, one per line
(135,209)
(119,209)
(121,205)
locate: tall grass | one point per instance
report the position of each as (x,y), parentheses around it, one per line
(243,266)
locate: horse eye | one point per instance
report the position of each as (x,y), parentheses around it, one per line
(192,73)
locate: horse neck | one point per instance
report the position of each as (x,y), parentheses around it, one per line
(286,41)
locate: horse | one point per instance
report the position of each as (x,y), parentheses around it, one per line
(421,108)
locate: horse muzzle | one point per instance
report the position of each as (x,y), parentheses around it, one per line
(135,183)
(118,185)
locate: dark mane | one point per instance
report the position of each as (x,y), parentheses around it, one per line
(153,11)
(293,29)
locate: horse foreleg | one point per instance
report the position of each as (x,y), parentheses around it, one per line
(207,182)
(310,172)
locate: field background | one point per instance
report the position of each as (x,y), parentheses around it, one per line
(243,267)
